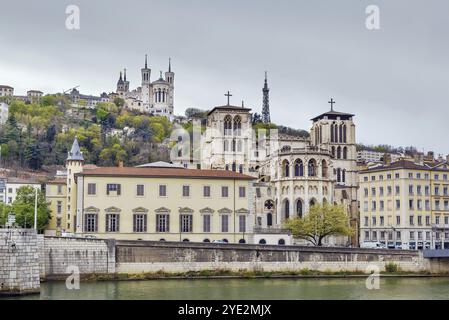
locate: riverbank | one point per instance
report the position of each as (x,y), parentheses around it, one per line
(227,274)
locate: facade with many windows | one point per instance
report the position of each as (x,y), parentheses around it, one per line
(171,204)
(405,205)
(156,202)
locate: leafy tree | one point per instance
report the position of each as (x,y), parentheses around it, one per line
(256,118)
(33,156)
(119,102)
(195,113)
(5,209)
(23,207)
(321,221)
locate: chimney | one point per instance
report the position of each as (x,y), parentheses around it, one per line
(120,163)
(418,158)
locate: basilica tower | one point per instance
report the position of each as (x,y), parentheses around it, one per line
(146,82)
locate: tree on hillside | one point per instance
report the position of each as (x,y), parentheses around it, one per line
(195,113)
(23,208)
(321,221)
(5,209)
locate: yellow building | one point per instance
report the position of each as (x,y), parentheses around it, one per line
(56,195)
(405,205)
(154,202)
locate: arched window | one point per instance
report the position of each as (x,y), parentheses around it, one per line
(281,242)
(339,153)
(242,241)
(320,134)
(186,240)
(233,145)
(344,134)
(287,209)
(234,167)
(324,168)
(340,133)
(262,241)
(206,240)
(332,132)
(237,126)
(312,202)
(227,125)
(225,240)
(333,152)
(286,168)
(338,175)
(227,167)
(343,176)
(311,168)
(269,219)
(345,153)
(299,209)
(299,168)
(240,168)
(226,145)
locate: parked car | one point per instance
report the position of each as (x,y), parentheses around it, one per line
(219,241)
(372,245)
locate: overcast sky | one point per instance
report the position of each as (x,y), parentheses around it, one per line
(395,79)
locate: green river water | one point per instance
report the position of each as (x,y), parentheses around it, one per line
(249,289)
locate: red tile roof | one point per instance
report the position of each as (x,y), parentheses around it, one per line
(164,173)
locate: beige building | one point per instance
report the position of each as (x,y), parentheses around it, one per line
(6,91)
(56,195)
(159,202)
(405,205)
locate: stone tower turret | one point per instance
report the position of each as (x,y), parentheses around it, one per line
(74,165)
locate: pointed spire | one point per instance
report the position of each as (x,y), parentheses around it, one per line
(161,76)
(120,76)
(125,74)
(146,61)
(169,64)
(266,102)
(75,153)
(243,104)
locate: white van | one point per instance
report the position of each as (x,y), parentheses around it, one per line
(372,245)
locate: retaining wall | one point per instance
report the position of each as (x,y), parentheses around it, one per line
(19,261)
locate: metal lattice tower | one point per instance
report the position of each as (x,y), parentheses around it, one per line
(266,102)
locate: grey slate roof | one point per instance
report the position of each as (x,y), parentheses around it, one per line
(75,153)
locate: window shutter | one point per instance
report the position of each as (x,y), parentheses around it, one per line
(119,189)
(96,222)
(85,223)
(118,223)
(168,223)
(107,224)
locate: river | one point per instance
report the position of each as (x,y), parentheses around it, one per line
(249,289)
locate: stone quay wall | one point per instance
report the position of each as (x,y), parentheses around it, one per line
(58,256)
(19,262)
(146,256)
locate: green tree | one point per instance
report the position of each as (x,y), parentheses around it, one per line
(23,208)
(321,221)
(4,210)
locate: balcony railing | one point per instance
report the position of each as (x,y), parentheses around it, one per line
(271,230)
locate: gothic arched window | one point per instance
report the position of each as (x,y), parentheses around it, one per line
(340,133)
(324,169)
(227,125)
(338,175)
(233,145)
(237,126)
(344,134)
(345,153)
(299,208)
(332,133)
(311,168)
(287,209)
(225,146)
(234,167)
(339,153)
(286,168)
(333,152)
(299,168)
(343,176)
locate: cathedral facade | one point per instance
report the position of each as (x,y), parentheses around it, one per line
(154,97)
(292,173)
